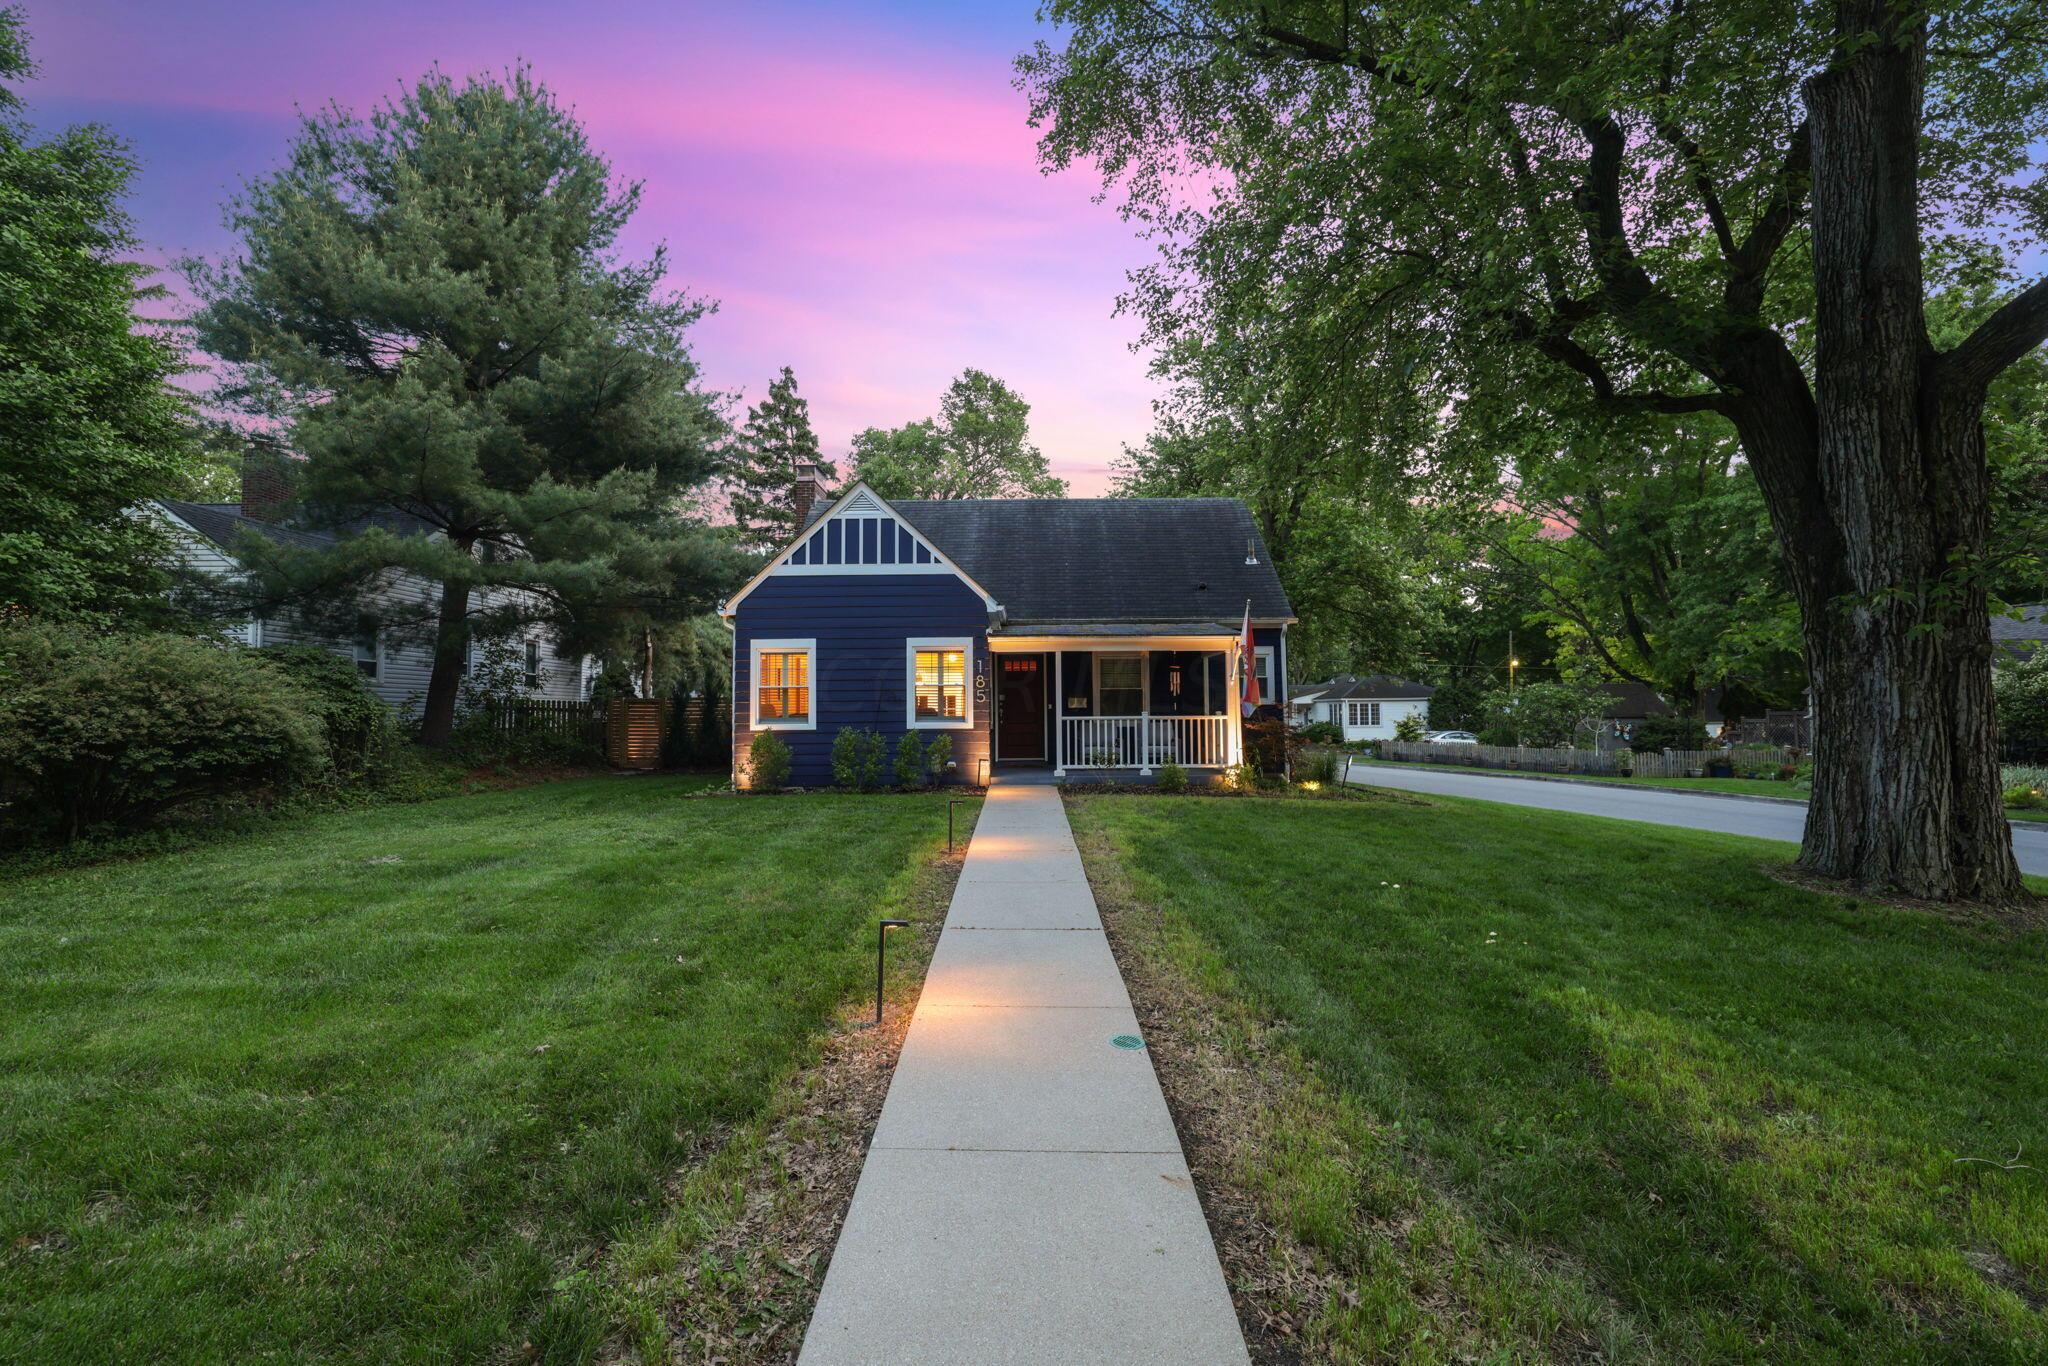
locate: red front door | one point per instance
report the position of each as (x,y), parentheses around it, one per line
(1020,707)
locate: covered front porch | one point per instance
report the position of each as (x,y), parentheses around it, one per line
(1118,697)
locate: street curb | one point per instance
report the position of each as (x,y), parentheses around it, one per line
(1627,787)
(1584,782)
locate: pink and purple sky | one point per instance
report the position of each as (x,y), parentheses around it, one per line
(854,183)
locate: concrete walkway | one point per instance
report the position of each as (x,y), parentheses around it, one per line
(1025,1198)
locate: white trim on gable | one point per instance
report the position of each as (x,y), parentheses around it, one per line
(859,506)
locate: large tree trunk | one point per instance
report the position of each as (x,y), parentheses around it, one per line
(1885,541)
(451,652)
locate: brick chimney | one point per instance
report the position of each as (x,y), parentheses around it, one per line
(804,494)
(266,486)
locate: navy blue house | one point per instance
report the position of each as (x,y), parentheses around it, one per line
(1069,634)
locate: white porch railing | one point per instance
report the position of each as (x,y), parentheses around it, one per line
(1145,741)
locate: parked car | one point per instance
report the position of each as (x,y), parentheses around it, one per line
(1452,737)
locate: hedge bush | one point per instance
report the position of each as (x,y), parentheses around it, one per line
(101,729)
(2019,691)
(859,756)
(360,728)
(938,758)
(1659,733)
(913,765)
(768,761)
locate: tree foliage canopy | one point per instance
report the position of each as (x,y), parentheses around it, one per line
(979,446)
(90,428)
(1660,209)
(1651,554)
(429,307)
(761,465)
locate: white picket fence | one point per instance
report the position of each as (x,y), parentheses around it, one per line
(1671,763)
(1677,763)
(1507,756)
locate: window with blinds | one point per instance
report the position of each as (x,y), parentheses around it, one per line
(939,685)
(783,689)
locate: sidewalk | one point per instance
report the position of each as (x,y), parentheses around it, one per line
(1025,1198)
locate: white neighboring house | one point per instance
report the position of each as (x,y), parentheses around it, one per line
(396,671)
(1365,708)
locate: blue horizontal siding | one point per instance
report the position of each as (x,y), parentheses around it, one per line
(860,622)
(1276,637)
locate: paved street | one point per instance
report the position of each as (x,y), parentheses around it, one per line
(1766,820)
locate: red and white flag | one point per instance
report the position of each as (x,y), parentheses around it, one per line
(1250,664)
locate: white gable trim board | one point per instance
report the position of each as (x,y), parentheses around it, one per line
(860,534)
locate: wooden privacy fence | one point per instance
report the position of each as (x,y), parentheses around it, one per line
(581,721)
(634,728)
(1508,756)
(633,731)
(629,730)
(1783,728)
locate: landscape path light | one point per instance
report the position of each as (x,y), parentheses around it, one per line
(881,956)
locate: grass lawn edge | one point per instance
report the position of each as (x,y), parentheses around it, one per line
(1267,1142)
(732,1271)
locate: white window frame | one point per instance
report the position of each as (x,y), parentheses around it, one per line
(1369,710)
(376,659)
(1144,681)
(531,666)
(808,646)
(1262,669)
(964,644)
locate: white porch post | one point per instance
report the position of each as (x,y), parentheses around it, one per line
(1144,711)
(1059,719)
(1234,690)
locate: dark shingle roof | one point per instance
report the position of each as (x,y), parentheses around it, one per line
(1072,560)
(2019,635)
(222,523)
(1377,687)
(1639,701)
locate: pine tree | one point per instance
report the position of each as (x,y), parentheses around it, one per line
(89,426)
(430,304)
(761,470)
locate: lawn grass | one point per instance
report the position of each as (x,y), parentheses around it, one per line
(385,1085)
(1570,1086)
